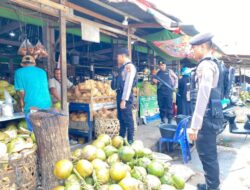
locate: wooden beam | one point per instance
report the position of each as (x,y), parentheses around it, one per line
(9,42)
(63,59)
(115,10)
(9,27)
(94,14)
(129,43)
(37,7)
(72,18)
(53,5)
(146,25)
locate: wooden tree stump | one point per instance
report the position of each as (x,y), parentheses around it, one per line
(51,131)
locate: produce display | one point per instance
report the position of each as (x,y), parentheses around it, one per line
(82,117)
(113,164)
(4,85)
(106,114)
(147,89)
(244,96)
(95,91)
(14,140)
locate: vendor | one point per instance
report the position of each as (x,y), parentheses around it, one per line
(55,86)
(32,86)
(165,91)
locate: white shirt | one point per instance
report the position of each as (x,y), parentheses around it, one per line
(53,83)
(207,74)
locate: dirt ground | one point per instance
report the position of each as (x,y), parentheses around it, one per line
(233,155)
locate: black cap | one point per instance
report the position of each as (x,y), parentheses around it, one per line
(201,38)
(122,51)
(162,62)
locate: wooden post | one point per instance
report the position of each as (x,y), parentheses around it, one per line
(129,43)
(63,59)
(49,42)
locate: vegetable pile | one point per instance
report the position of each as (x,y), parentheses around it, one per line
(113,164)
(96,90)
(147,89)
(14,140)
(83,117)
(106,113)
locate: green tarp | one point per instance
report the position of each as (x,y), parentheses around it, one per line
(161,36)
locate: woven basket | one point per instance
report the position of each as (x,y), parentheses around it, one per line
(21,173)
(110,127)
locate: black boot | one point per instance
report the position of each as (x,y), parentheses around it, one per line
(202,186)
(170,121)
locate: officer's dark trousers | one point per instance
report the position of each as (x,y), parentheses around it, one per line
(125,117)
(165,102)
(207,151)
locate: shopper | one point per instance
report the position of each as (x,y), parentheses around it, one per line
(123,83)
(207,117)
(184,106)
(55,86)
(165,91)
(32,86)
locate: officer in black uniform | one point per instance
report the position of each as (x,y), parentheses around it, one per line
(207,118)
(165,91)
(123,82)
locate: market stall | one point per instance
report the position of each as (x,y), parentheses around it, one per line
(92,111)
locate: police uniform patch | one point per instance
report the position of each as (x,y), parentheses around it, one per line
(128,68)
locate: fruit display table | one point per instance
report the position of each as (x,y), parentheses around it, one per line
(89,109)
(15,116)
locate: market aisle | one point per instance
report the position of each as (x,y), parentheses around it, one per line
(233,153)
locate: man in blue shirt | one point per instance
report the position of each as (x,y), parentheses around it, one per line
(32,86)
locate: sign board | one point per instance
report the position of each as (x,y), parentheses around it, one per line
(90,33)
(148,106)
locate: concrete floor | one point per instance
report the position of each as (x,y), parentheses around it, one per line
(233,154)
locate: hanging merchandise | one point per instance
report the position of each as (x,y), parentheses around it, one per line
(40,51)
(26,48)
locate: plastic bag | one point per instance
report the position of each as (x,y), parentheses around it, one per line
(26,48)
(8,98)
(7,107)
(40,51)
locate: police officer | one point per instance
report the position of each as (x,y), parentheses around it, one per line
(207,117)
(123,82)
(165,91)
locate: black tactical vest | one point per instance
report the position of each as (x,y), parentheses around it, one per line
(217,93)
(165,76)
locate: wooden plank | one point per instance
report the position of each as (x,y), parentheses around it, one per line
(94,14)
(53,5)
(37,7)
(63,59)
(129,43)
(146,25)
(115,10)
(9,42)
